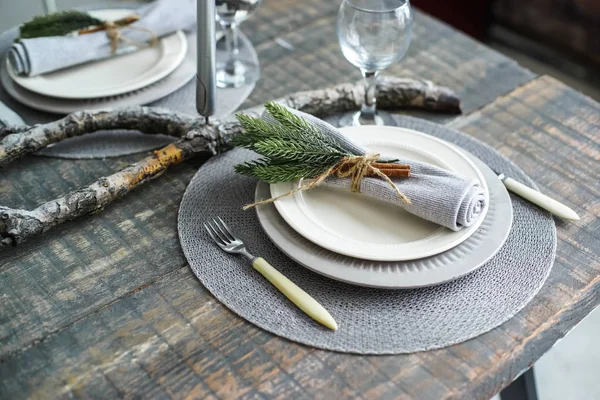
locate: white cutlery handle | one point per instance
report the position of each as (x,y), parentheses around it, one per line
(298,296)
(540,199)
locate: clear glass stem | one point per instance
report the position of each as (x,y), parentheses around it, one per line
(236,64)
(368,111)
(231,43)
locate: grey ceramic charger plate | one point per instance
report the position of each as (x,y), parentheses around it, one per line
(444,267)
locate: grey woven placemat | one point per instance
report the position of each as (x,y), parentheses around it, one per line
(372,321)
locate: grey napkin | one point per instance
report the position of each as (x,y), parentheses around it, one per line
(46,54)
(436,194)
(9,117)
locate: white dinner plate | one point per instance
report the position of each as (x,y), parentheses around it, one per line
(112,76)
(359,226)
(452,264)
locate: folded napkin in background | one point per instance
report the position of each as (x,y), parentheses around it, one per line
(46,54)
(436,194)
(8,117)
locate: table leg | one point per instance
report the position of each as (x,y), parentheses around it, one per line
(522,388)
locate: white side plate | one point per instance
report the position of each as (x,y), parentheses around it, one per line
(112,76)
(359,226)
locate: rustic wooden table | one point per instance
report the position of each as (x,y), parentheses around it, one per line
(107,306)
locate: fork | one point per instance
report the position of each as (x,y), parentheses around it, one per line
(228,242)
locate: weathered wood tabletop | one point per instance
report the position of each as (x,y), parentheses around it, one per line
(107,306)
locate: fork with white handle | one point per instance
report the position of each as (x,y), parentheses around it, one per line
(226,240)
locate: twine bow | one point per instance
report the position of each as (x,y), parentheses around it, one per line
(113,32)
(356,168)
(115,36)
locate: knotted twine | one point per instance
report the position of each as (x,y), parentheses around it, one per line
(115,36)
(355,167)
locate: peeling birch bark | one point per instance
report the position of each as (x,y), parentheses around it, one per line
(196,138)
(9,130)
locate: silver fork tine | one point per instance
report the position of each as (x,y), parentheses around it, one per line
(222,231)
(212,235)
(218,232)
(226,228)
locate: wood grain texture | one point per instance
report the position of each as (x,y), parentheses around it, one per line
(438,53)
(133,243)
(170,338)
(106,306)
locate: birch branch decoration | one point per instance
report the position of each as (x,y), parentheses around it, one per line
(195,138)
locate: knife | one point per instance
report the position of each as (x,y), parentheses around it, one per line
(205,75)
(539,199)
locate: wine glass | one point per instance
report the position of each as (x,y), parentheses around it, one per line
(235,71)
(373,34)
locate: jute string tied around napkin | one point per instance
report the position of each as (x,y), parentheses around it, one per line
(356,168)
(115,36)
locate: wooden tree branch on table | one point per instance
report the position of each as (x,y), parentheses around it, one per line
(196,138)
(10,129)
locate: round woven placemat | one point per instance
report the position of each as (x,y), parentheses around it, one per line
(372,321)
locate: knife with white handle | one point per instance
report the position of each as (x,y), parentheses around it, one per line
(539,199)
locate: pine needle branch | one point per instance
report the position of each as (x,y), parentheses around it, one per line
(276,173)
(57,24)
(296,151)
(298,124)
(257,130)
(292,148)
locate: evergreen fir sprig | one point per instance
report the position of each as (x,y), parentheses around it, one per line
(276,173)
(298,124)
(289,127)
(292,148)
(57,24)
(296,151)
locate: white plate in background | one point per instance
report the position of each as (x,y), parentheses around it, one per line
(112,76)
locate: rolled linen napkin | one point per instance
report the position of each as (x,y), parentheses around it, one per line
(8,117)
(435,194)
(46,54)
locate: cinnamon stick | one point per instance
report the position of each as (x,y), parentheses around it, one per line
(390,166)
(389,169)
(392,173)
